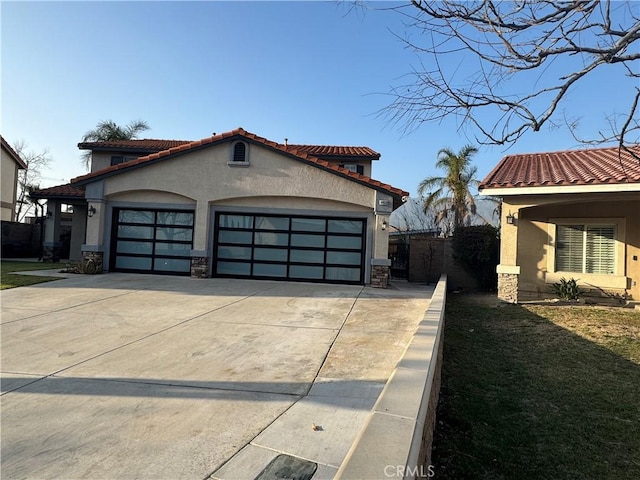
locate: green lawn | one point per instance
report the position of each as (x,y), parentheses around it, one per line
(7,280)
(538,392)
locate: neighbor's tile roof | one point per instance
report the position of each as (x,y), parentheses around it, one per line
(594,166)
(143,144)
(336,151)
(59,191)
(12,153)
(299,154)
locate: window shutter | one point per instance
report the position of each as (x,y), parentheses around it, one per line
(600,249)
(360,169)
(239,152)
(569,248)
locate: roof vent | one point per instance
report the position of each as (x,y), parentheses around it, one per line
(286,142)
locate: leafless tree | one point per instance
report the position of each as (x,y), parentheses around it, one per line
(28,179)
(526,58)
(412,217)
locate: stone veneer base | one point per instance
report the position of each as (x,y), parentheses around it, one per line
(508,287)
(380,276)
(199,267)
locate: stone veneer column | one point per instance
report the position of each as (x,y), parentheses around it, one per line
(508,283)
(380,272)
(95,257)
(199,267)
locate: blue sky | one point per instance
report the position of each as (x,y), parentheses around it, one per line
(312,72)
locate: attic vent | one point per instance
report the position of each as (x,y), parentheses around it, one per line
(239,152)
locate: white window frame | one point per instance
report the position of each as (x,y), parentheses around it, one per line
(615,280)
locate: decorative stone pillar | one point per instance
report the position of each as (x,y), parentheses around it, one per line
(508,283)
(199,267)
(51,244)
(380,272)
(95,258)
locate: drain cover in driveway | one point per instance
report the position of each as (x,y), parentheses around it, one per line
(286,467)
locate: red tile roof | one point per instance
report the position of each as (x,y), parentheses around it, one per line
(336,151)
(12,153)
(298,154)
(594,166)
(59,191)
(142,144)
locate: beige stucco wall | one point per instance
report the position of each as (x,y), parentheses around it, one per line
(8,179)
(529,244)
(205,179)
(100,160)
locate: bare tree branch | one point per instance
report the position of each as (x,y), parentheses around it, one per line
(527,56)
(28,179)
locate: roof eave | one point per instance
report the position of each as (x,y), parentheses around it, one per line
(127,166)
(108,148)
(13,154)
(502,191)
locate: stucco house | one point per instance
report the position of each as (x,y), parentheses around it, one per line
(231,205)
(572,214)
(11,163)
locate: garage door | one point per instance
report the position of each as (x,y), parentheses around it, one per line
(151,241)
(299,248)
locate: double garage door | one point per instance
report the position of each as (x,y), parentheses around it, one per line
(297,248)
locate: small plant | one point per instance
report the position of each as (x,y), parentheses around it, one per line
(567,289)
(87,267)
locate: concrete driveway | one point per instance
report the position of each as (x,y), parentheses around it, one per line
(136,376)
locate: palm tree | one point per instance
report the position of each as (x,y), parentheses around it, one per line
(450,196)
(108,130)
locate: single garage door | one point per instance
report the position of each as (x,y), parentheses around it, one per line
(299,248)
(151,241)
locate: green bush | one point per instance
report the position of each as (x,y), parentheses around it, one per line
(567,289)
(477,250)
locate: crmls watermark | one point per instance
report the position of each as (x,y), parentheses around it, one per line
(402,471)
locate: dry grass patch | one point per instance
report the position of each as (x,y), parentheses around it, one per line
(538,391)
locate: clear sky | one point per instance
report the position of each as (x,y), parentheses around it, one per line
(312,72)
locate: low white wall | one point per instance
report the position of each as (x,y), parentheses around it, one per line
(396,439)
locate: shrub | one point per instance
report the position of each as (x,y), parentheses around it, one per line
(567,289)
(86,267)
(477,249)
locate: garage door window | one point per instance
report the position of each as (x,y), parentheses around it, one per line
(296,247)
(152,241)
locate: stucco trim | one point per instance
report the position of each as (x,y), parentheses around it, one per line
(384,262)
(508,269)
(516,190)
(92,248)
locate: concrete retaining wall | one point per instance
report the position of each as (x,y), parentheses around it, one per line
(396,439)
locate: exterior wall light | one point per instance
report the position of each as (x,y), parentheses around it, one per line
(511,219)
(384,224)
(91,211)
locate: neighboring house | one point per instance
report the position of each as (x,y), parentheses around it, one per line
(572,214)
(11,163)
(231,205)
